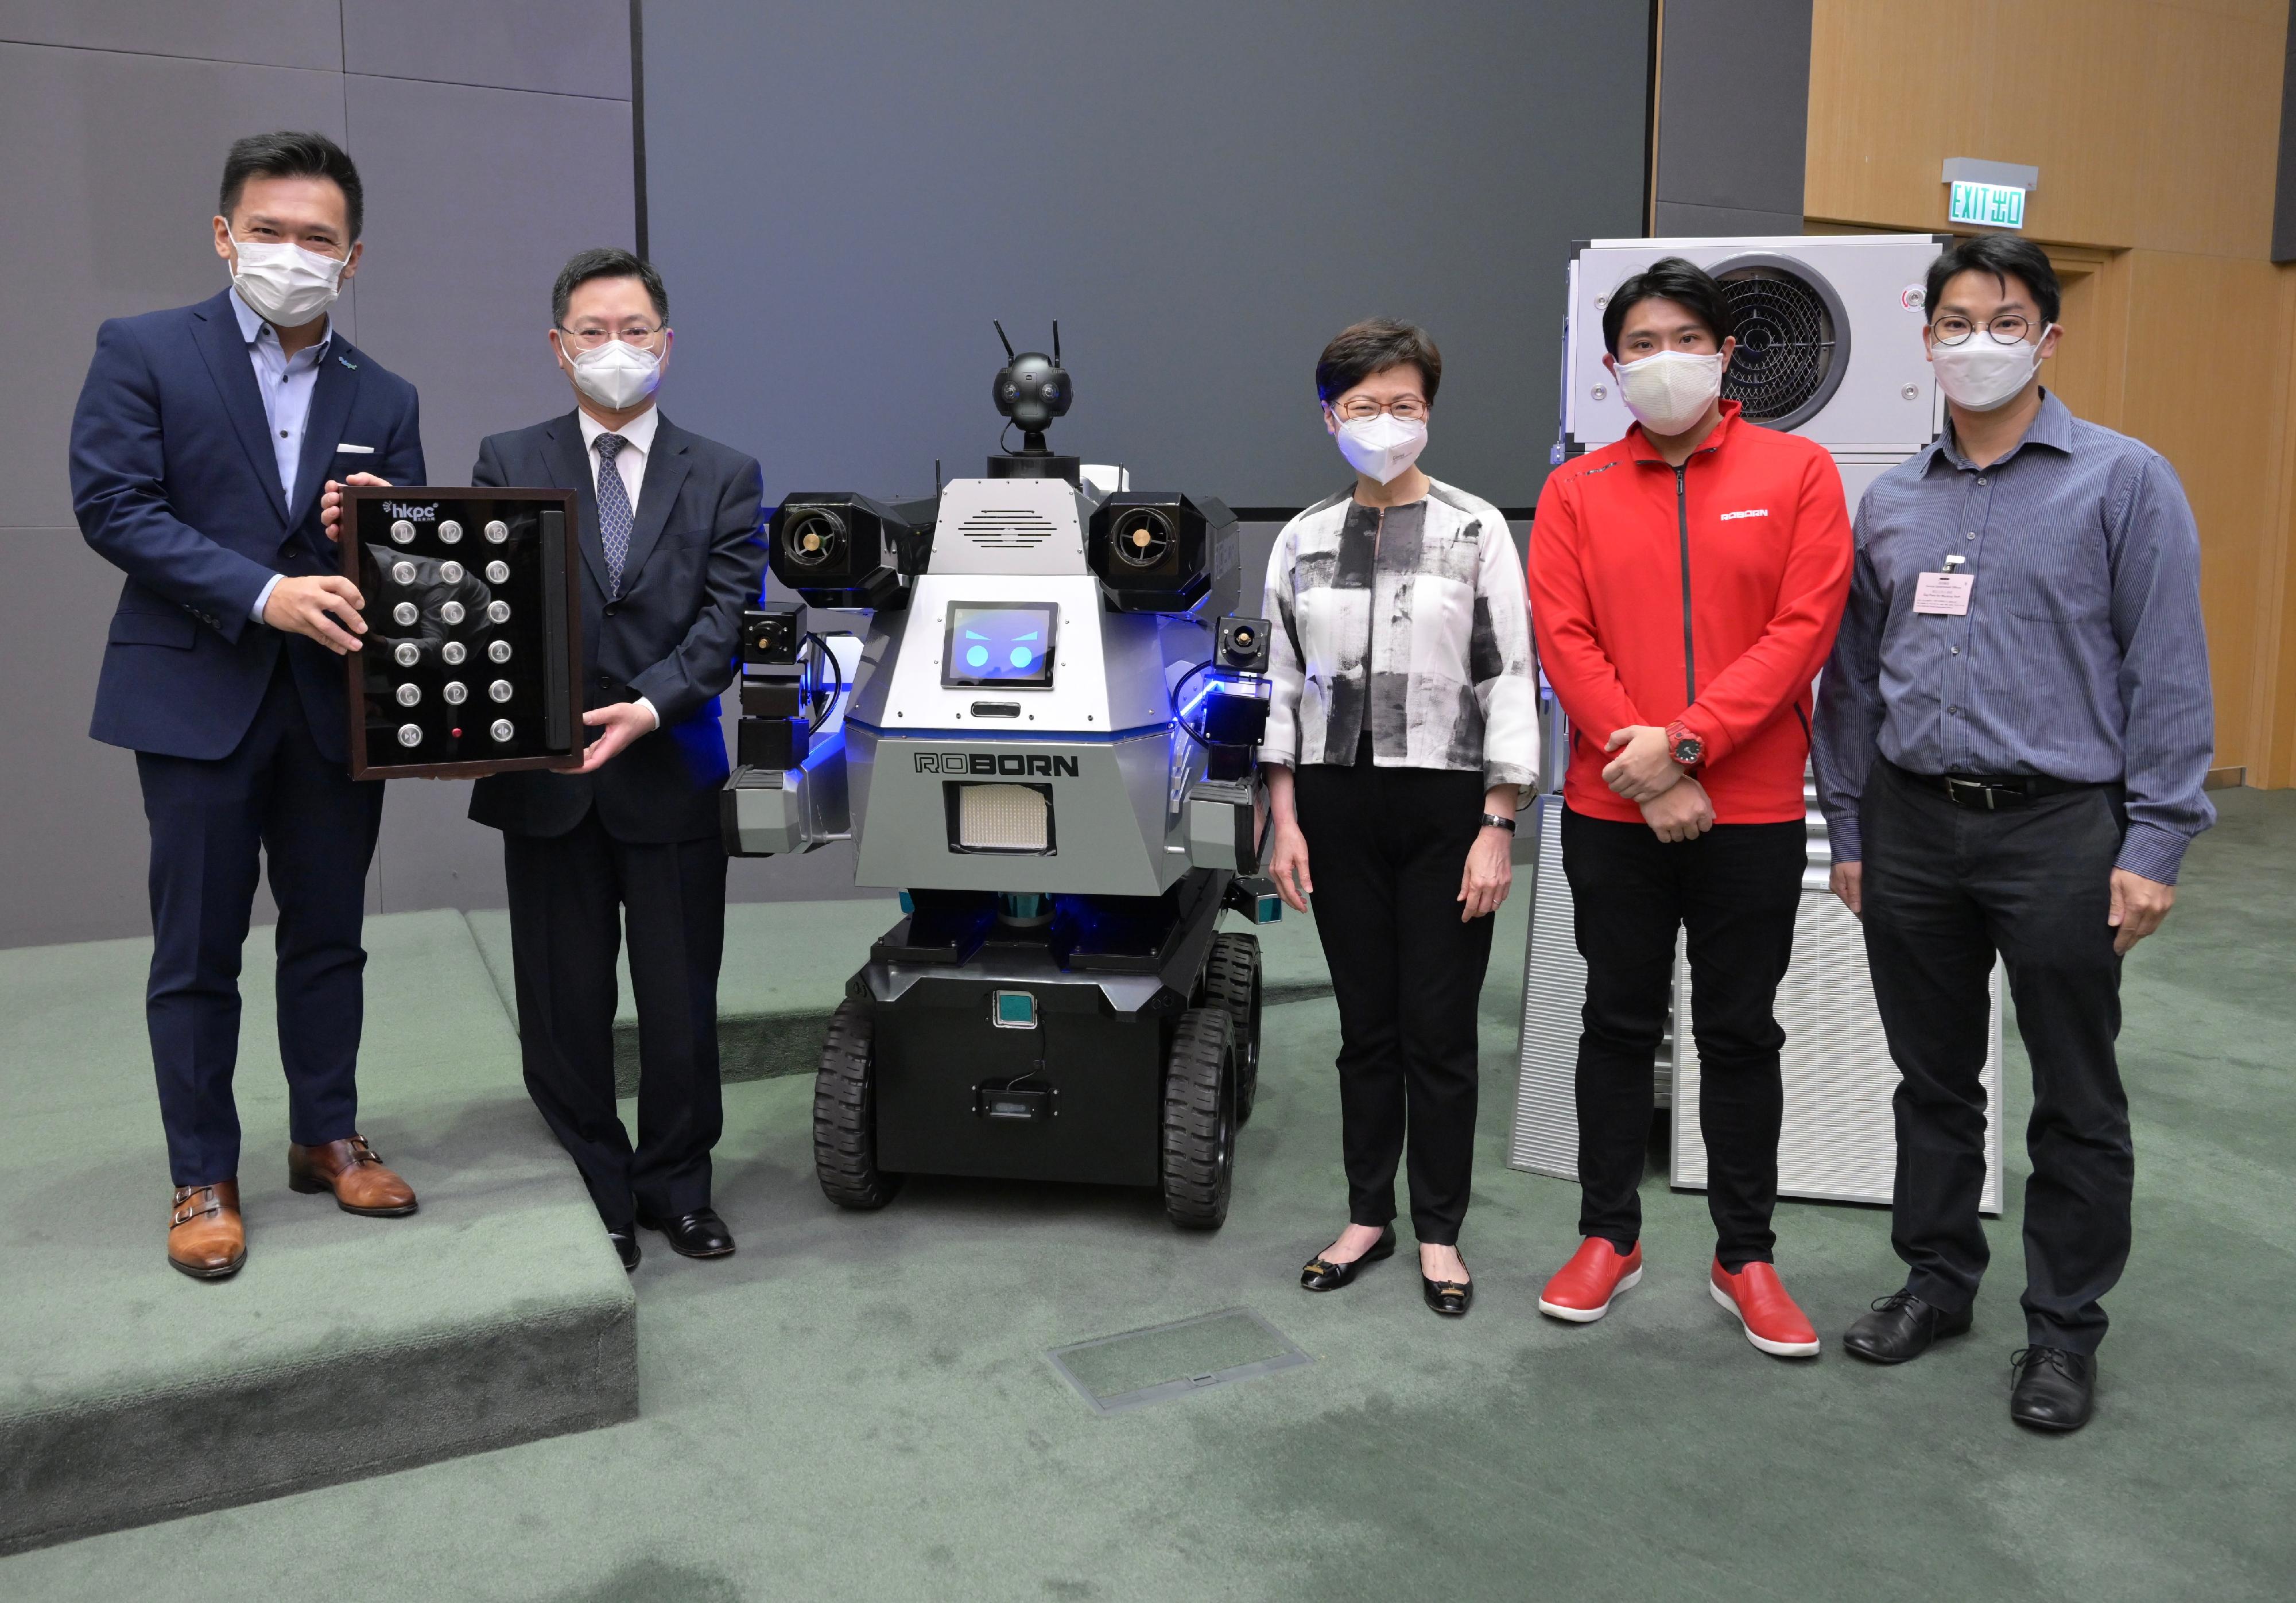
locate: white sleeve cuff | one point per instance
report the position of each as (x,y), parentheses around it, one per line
(652,711)
(263,596)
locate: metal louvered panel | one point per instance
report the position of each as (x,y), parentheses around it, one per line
(1839,1139)
(1006,527)
(1545,1136)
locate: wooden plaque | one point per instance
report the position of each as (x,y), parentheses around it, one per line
(472,659)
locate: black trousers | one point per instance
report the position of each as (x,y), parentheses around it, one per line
(275,803)
(1386,849)
(1945,889)
(569,897)
(1735,889)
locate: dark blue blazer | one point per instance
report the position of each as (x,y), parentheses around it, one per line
(174,482)
(672,634)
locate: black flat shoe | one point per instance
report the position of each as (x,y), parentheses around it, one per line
(1322,1274)
(1449,1298)
(700,1234)
(2055,1389)
(1902,1327)
(626,1245)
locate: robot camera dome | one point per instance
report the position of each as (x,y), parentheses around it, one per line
(840,550)
(1031,391)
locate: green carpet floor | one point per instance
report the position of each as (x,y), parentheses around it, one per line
(859,1407)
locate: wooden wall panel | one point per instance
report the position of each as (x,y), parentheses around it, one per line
(2222,424)
(2154,123)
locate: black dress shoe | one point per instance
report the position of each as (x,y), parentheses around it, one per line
(1901,1327)
(2055,1389)
(626,1245)
(700,1234)
(1322,1274)
(1449,1298)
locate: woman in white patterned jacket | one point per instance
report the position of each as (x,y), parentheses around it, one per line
(1403,736)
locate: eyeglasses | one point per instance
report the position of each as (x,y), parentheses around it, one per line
(2008,328)
(590,339)
(1362,409)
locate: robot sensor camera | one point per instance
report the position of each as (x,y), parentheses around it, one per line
(1243,645)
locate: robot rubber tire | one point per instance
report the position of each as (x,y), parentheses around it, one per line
(845,1115)
(1231,981)
(1200,1089)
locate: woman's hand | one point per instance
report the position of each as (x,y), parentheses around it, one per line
(1490,872)
(1681,813)
(1287,847)
(1287,865)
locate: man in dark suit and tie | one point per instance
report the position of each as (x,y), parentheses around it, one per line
(202,440)
(670,556)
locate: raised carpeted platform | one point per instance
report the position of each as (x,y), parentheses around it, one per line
(347,1346)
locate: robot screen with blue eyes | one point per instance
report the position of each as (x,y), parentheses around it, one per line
(1044,740)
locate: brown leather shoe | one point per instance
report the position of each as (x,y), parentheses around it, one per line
(207,1239)
(353,1174)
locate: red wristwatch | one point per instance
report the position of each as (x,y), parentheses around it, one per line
(1685,749)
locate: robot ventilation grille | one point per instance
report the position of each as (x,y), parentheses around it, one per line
(1793,341)
(1006,529)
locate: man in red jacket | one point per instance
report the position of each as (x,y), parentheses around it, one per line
(1685,586)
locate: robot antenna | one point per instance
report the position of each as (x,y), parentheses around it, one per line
(1009,356)
(1057,342)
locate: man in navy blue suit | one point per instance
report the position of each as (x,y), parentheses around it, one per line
(199,448)
(670,556)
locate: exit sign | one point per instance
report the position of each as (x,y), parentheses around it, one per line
(1988,205)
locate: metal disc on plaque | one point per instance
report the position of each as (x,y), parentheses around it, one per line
(452,652)
(404,613)
(451,612)
(450,531)
(501,729)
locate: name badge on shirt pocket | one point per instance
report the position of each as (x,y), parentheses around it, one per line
(348,449)
(1944,594)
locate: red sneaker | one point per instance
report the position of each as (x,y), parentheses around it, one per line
(1772,1321)
(1581,1289)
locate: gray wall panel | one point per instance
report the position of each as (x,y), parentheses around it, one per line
(1203,193)
(1734,115)
(111,218)
(279,33)
(475,198)
(561,46)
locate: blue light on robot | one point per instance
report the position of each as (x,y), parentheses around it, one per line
(1022,656)
(978,657)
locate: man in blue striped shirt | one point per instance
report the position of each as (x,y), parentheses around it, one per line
(2011,739)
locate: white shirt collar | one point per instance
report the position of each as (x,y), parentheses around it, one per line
(639,430)
(252,327)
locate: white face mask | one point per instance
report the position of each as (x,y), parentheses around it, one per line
(1382,447)
(286,284)
(1669,391)
(1981,374)
(617,375)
